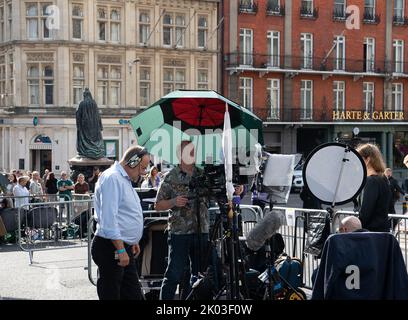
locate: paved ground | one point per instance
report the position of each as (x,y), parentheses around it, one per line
(55,275)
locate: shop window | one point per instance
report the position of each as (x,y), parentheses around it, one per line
(400,149)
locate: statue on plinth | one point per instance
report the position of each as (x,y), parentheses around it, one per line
(89,129)
(90,145)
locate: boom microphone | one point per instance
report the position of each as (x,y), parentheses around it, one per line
(265,229)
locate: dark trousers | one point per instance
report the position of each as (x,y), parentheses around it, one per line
(115,282)
(183,254)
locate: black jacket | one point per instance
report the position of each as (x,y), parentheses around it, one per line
(378,257)
(375,204)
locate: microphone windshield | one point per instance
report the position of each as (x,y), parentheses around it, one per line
(265,229)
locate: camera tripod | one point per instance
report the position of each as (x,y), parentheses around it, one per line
(232,265)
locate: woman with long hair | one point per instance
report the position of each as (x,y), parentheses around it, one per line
(152,180)
(376,196)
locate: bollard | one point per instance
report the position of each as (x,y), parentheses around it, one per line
(405,205)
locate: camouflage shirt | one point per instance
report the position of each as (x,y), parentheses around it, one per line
(184,220)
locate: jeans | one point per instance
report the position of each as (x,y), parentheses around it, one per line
(115,282)
(183,255)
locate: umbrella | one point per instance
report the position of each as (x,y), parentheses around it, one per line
(197,116)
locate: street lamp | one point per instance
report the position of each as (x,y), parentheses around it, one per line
(131,63)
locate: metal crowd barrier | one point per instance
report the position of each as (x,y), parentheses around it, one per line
(44,226)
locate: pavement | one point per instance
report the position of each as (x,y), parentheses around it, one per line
(54,275)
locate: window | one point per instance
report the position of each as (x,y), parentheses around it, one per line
(174,29)
(11,80)
(307,50)
(368,96)
(369,55)
(77,21)
(10,20)
(174,75)
(339,9)
(306,8)
(36,20)
(338,95)
(102,23)
(1,24)
(369,9)
(78,77)
(274,49)
(397,97)
(202,75)
(245,92)
(40,78)
(399,56)
(340,61)
(144,27)
(202,32)
(273,6)
(398,10)
(400,149)
(274,98)
(109,80)
(246,46)
(145,83)
(109,24)
(3,94)
(306,100)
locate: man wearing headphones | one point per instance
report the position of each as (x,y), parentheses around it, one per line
(119,228)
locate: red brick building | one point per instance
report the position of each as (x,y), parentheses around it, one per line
(297,65)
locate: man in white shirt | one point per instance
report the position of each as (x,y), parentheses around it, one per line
(119,228)
(21,193)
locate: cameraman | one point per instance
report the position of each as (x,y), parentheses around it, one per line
(183,223)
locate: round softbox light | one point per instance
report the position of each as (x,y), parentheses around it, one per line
(334,173)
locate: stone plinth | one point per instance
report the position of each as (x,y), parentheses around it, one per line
(85,166)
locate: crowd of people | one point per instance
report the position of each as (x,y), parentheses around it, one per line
(26,187)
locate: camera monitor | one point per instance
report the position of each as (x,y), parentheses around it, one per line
(334,173)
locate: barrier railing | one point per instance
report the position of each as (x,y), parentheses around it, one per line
(54,225)
(294,232)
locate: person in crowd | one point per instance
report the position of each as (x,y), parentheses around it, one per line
(65,187)
(35,188)
(152,180)
(396,190)
(30,175)
(375,199)
(119,228)
(51,186)
(81,187)
(12,183)
(183,222)
(21,193)
(350,224)
(94,179)
(44,178)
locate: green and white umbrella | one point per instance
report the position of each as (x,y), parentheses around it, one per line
(197,116)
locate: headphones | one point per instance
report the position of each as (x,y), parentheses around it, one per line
(135,160)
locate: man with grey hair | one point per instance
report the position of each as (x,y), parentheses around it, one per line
(350,224)
(119,218)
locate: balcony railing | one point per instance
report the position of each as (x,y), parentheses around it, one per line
(309,63)
(248,7)
(274,9)
(309,13)
(371,18)
(400,21)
